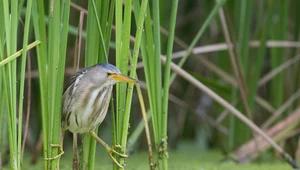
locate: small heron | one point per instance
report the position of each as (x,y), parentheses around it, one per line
(85,104)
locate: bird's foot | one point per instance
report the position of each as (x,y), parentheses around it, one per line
(113,148)
(111,151)
(60,153)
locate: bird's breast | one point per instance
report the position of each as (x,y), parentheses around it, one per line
(90,109)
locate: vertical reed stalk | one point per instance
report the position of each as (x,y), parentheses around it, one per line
(279,31)
(10,23)
(138,37)
(167,82)
(22,80)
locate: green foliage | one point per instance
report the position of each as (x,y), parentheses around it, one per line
(279,32)
(9,73)
(112,35)
(51,62)
(125,121)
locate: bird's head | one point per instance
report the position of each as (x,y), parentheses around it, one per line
(111,74)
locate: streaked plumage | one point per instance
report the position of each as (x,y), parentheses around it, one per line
(85,104)
(86,100)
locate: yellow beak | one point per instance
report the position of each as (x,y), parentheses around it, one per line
(122,78)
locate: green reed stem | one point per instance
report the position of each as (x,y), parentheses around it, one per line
(131,142)
(166,83)
(157,64)
(120,102)
(124,58)
(40,34)
(137,43)
(100,30)
(280,10)
(10,23)
(53,79)
(22,80)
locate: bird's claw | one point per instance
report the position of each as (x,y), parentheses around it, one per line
(60,152)
(117,146)
(111,151)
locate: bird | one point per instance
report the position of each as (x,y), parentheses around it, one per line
(85,104)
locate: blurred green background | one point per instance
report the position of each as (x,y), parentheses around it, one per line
(247,54)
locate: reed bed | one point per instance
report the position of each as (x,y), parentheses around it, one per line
(223,74)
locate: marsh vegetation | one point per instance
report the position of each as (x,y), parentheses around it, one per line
(218,82)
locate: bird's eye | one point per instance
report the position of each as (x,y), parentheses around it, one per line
(109,74)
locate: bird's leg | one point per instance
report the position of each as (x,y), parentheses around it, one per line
(75,152)
(109,150)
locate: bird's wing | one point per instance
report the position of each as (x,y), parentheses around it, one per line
(69,93)
(75,76)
